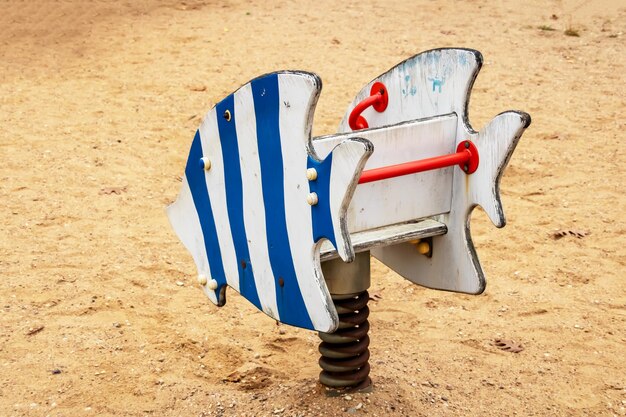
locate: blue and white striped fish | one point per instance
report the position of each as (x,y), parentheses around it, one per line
(243,213)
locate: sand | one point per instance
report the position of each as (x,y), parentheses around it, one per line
(100,313)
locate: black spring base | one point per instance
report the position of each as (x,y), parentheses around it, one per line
(345,353)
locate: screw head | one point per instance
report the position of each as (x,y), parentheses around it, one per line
(227,115)
(312,199)
(212,285)
(311,174)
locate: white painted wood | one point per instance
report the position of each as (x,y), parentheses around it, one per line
(295,128)
(253,206)
(454,264)
(185,221)
(405,198)
(347,159)
(294,254)
(426,85)
(215,181)
(388,235)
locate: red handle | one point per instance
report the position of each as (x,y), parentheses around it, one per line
(466,157)
(378,99)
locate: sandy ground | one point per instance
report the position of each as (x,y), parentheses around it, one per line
(98,106)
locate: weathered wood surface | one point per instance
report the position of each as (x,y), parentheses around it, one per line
(427,85)
(403,198)
(246,220)
(388,235)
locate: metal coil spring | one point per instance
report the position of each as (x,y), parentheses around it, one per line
(345,352)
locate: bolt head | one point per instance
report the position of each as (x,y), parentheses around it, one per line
(423,248)
(312,199)
(205,163)
(311,174)
(212,285)
(202,279)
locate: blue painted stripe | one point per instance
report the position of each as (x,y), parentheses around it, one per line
(202,201)
(234,199)
(290,302)
(322,218)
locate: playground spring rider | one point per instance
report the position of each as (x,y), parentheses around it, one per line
(269,211)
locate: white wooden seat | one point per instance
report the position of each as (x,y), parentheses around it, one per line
(387,235)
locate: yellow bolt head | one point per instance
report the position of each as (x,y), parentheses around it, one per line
(423,248)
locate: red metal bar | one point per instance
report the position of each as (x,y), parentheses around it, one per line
(378,99)
(466,157)
(358,122)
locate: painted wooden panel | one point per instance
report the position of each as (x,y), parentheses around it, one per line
(454,265)
(408,197)
(427,85)
(243,213)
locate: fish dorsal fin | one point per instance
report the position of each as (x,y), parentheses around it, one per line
(429,84)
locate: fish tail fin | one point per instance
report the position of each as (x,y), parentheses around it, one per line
(496,142)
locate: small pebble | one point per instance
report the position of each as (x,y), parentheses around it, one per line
(180,283)
(56,371)
(347,398)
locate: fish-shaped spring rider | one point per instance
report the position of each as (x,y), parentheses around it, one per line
(280,217)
